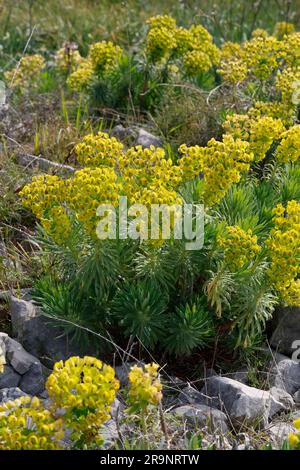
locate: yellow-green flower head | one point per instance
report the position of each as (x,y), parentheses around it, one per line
(289,148)
(196,62)
(85,389)
(200,36)
(283,28)
(43,193)
(147,168)
(82,77)
(284,252)
(161,21)
(27,72)
(160,42)
(89,188)
(67,59)
(288,82)
(259,33)
(145,387)
(57,224)
(104,56)
(262,56)
(232,66)
(220,164)
(291,48)
(239,246)
(99,150)
(26,425)
(275,109)
(263,132)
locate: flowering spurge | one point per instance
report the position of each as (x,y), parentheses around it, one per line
(85,389)
(284,252)
(145,387)
(239,246)
(26,425)
(220,163)
(81,392)
(193,46)
(26,73)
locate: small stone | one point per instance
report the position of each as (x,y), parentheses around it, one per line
(7,394)
(286,375)
(19,359)
(145,139)
(33,382)
(9,378)
(190,395)
(287,329)
(283,401)
(203,416)
(242,403)
(296,397)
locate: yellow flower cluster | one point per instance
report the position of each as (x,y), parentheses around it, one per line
(289,148)
(232,67)
(58,224)
(284,252)
(239,246)
(262,56)
(85,389)
(294,439)
(82,77)
(89,188)
(260,132)
(194,45)
(67,59)
(43,193)
(99,150)
(27,72)
(288,83)
(263,132)
(145,387)
(147,167)
(195,62)
(26,425)
(275,110)
(104,56)
(220,164)
(282,29)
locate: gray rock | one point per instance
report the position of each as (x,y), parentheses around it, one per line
(283,401)
(3,337)
(190,395)
(202,415)
(40,335)
(145,139)
(33,382)
(9,378)
(18,358)
(239,375)
(296,397)
(242,403)
(124,133)
(286,375)
(7,394)
(32,161)
(109,433)
(287,329)
(279,432)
